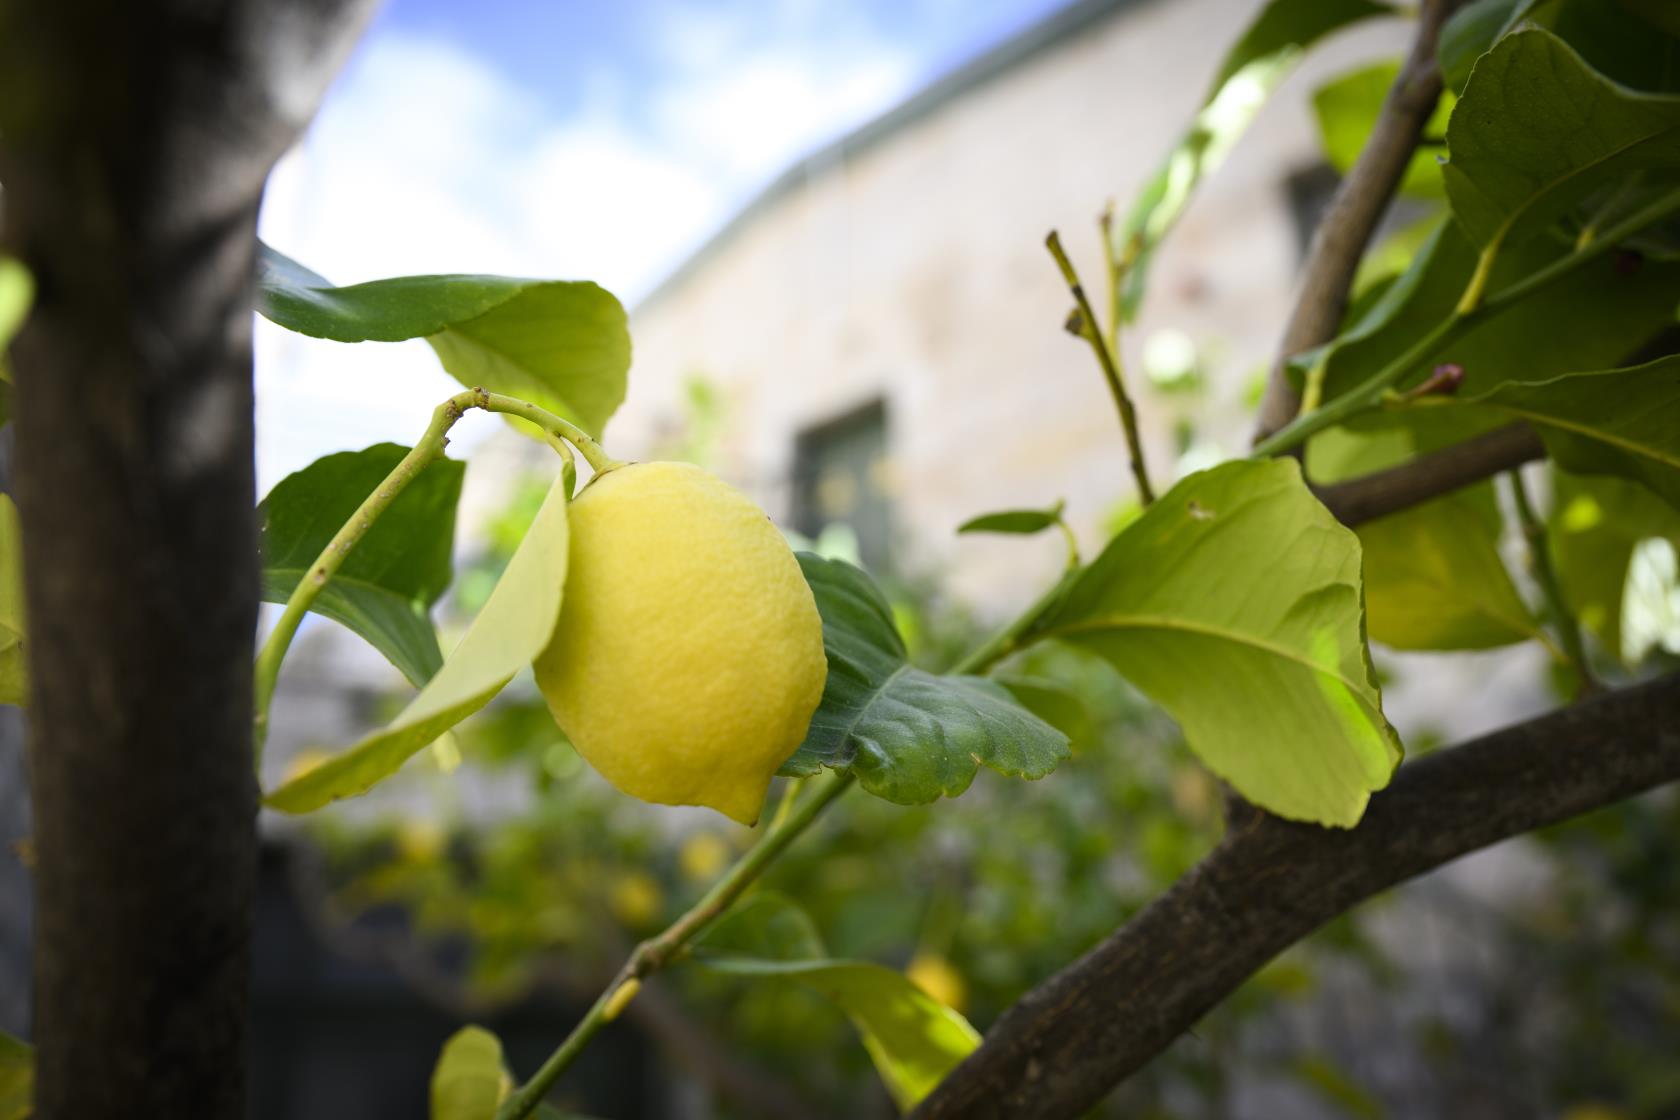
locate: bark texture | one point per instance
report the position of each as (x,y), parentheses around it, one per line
(134,143)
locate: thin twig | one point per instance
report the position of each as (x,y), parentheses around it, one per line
(652,955)
(1090,329)
(1416,481)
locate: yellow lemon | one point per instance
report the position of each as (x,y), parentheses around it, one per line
(937,977)
(688,657)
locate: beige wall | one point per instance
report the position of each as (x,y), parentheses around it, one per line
(914,272)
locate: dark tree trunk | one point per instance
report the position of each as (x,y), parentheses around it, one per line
(134,142)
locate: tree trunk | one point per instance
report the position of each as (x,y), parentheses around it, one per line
(134,143)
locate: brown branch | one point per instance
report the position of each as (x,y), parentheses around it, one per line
(1271,882)
(1354,213)
(134,143)
(1430,476)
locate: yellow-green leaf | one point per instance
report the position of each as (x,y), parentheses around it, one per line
(513,627)
(14,675)
(1235,603)
(469,1080)
(17,1078)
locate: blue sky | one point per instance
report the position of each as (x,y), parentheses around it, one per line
(591,140)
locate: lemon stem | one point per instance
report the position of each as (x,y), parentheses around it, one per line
(656,952)
(429,449)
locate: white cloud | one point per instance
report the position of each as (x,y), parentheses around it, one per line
(425,159)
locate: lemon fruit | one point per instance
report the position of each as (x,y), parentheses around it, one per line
(688,657)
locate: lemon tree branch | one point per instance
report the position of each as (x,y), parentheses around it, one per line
(656,952)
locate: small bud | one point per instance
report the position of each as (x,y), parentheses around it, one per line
(1074,324)
(1444,381)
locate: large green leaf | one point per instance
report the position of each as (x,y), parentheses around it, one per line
(1595,524)
(514,626)
(913,1039)
(562,344)
(1434,578)
(1596,317)
(1347,110)
(1623,422)
(1235,603)
(1467,35)
(17,1078)
(1537,130)
(386,587)
(14,667)
(469,1079)
(1252,68)
(909,736)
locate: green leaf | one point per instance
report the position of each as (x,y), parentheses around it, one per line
(14,667)
(17,292)
(1537,130)
(1054,703)
(1434,578)
(1235,603)
(17,1078)
(514,626)
(1592,319)
(1595,524)
(469,1079)
(909,736)
(913,1039)
(1468,34)
(1013,521)
(1265,54)
(1622,422)
(398,570)
(561,344)
(1347,110)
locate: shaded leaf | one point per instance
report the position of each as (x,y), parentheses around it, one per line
(1537,130)
(1347,109)
(1594,318)
(913,1039)
(17,1078)
(469,1080)
(1252,68)
(513,627)
(1013,521)
(1467,35)
(1235,603)
(1434,578)
(1623,422)
(386,587)
(909,736)
(1595,524)
(561,344)
(14,667)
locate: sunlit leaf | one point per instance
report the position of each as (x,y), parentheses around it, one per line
(1537,130)
(910,736)
(469,1080)
(17,292)
(1252,68)
(387,585)
(1235,603)
(512,628)
(17,1078)
(14,668)
(913,1039)
(1596,523)
(1434,578)
(561,344)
